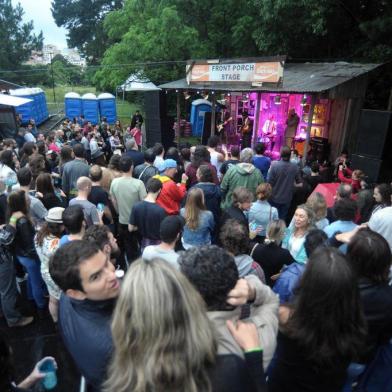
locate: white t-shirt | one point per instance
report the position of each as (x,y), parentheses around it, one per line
(381,223)
(295,245)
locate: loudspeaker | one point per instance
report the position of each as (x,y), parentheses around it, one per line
(372,132)
(206,128)
(369,165)
(153,131)
(167,134)
(319,148)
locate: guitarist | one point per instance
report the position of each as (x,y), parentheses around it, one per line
(246,131)
(223,128)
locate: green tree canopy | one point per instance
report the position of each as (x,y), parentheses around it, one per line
(16,38)
(339,29)
(65,73)
(84,21)
(156,34)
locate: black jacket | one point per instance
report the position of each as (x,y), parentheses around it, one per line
(271,259)
(212,198)
(24,239)
(85,328)
(376,301)
(232,374)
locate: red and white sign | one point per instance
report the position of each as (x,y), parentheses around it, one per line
(257,72)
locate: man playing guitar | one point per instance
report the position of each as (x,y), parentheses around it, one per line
(246,131)
(223,128)
(269,132)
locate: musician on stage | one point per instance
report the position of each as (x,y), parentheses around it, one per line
(224,127)
(269,132)
(291,128)
(246,131)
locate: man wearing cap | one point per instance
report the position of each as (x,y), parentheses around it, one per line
(172,194)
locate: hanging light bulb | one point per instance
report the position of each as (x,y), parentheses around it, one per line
(277,100)
(304,100)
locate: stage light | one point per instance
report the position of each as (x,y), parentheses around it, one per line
(277,100)
(304,100)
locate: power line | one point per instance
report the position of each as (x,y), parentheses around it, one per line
(110,66)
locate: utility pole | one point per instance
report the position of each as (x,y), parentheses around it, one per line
(51,71)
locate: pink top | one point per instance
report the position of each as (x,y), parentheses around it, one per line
(54,147)
(137,134)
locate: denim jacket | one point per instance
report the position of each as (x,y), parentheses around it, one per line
(201,235)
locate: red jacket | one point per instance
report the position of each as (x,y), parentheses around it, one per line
(355,184)
(171,195)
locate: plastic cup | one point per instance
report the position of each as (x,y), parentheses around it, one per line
(50,379)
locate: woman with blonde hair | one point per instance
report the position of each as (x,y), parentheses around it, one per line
(271,256)
(316,201)
(164,341)
(199,222)
(294,238)
(261,212)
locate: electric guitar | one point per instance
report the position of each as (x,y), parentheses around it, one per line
(222,125)
(245,127)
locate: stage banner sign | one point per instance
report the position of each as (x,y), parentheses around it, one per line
(257,72)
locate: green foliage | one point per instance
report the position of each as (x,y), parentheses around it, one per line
(16,38)
(84,21)
(350,29)
(66,73)
(156,34)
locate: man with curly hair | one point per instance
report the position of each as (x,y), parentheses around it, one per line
(214,273)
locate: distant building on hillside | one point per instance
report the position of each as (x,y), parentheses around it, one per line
(73,56)
(50,51)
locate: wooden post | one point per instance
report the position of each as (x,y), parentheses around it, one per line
(178,119)
(256,120)
(213,101)
(308,128)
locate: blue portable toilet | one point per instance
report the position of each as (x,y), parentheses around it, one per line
(36,93)
(90,108)
(107,107)
(199,108)
(28,110)
(36,109)
(73,105)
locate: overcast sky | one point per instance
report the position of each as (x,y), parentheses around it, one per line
(39,12)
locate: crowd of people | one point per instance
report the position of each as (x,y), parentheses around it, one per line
(195,268)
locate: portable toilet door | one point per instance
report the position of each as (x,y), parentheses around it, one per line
(107,107)
(199,108)
(43,108)
(73,105)
(37,94)
(90,108)
(27,110)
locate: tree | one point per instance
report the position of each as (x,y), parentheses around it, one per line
(84,21)
(17,38)
(66,73)
(157,34)
(339,29)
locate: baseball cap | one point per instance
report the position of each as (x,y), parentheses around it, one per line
(170,163)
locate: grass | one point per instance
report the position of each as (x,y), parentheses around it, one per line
(125,109)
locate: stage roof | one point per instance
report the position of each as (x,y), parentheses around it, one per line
(10,100)
(297,78)
(136,82)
